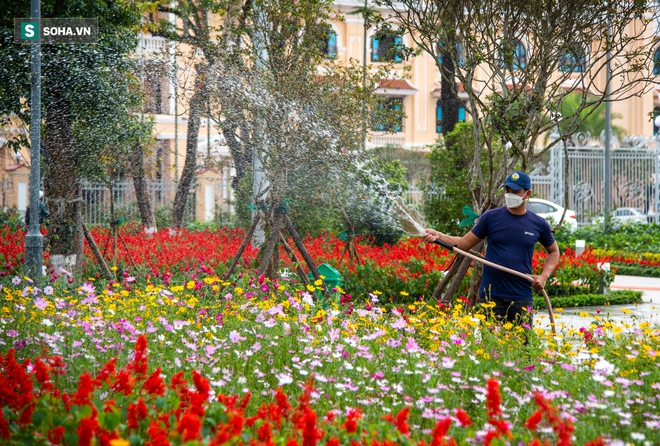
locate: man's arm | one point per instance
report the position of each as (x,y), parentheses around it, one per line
(465,243)
(550,264)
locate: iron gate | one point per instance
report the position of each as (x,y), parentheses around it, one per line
(633,183)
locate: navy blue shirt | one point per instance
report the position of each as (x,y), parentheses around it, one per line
(511,240)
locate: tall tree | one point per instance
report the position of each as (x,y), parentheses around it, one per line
(87,93)
(193,28)
(520,62)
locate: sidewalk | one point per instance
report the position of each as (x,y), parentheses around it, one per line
(648,310)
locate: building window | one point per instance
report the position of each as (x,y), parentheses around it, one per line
(519,56)
(386,49)
(656,61)
(438,115)
(330,49)
(572,59)
(459,53)
(389,117)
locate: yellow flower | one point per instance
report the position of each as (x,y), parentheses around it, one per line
(190,285)
(625,310)
(376,292)
(318,282)
(310,288)
(112,268)
(583,314)
(238,290)
(403,293)
(120,442)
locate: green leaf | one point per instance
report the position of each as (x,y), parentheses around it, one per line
(471,216)
(38,417)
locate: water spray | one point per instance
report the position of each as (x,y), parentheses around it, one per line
(412,222)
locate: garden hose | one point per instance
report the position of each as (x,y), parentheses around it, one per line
(505,269)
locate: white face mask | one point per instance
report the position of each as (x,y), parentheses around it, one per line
(513,201)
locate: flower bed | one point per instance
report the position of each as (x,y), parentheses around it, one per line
(412,366)
(406,271)
(135,405)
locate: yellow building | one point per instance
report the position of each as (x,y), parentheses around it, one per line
(414,86)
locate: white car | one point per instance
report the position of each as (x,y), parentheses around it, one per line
(626,215)
(552,212)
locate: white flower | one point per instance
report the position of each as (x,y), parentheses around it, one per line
(284,379)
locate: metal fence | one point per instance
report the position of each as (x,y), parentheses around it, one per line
(634,175)
(632,183)
(96,201)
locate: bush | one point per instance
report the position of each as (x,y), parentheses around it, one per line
(624,238)
(614,297)
(637,270)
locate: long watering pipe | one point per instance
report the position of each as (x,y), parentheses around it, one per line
(505,269)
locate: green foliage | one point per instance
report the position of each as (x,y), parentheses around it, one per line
(626,238)
(403,284)
(614,297)
(95,81)
(636,270)
(591,119)
(446,192)
(11,218)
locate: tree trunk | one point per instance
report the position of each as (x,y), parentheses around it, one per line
(62,184)
(141,194)
(240,153)
(188,172)
(449,100)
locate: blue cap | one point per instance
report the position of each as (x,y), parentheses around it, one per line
(518,180)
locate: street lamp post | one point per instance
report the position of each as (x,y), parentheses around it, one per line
(656,185)
(34,246)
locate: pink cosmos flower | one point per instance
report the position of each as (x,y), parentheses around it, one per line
(40,303)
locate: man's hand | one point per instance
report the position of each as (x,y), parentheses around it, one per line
(539,282)
(431,235)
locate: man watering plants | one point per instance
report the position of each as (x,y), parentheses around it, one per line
(512,231)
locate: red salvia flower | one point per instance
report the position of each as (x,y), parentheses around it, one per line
(123,382)
(136,412)
(351,420)
(178,381)
(493,399)
(42,374)
(264,433)
(402,421)
(56,435)
(140,362)
(87,428)
(310,432)
(534,419)
(597,442)
(57,365)
(463,418)
(333,441)
(201,384)
(106,373)
(190,426)
(439,432)
(154,385)
(245,401)
(157,434)
(282,402)
(85,388)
